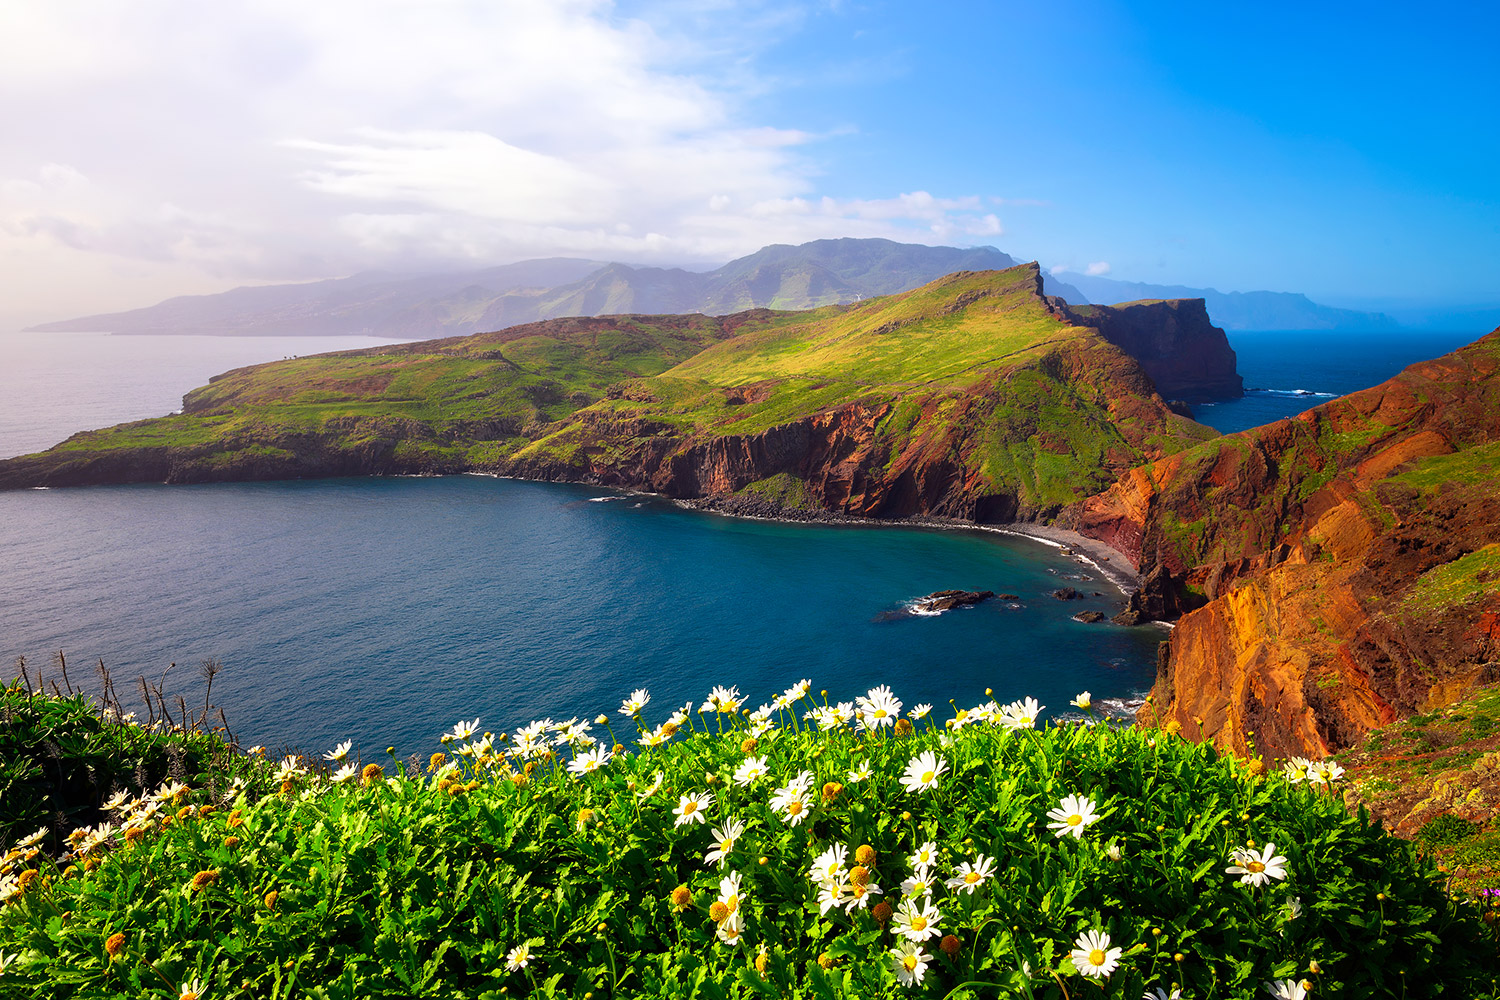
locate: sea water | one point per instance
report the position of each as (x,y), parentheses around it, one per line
(386,610)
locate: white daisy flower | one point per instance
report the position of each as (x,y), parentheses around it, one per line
(829,866)
(922,772)
(860,773)
(724,837)
(750,771)
(1093,956)
(791,800)
(859,895)
(517,958)
(1325,772)
(1021,714)
(1161,994)
(909,962)
(732,930)
(798,691)
(1297,769)
(652,788)
(924,856)
(1072,816)
(461,731)
(1084,701)
(919,883)
(968,877)
(116,802)
(344,774)
(1257,868)
(918,922)
(638,700)
(339,752)
(920,711)
(878,708)
(831,894)
(1286,989)
(692,807)
(589,761)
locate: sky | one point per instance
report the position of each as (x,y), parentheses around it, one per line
(163,147)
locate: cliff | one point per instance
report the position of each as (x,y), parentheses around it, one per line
(1344,565)
(1176,343)
(976,396)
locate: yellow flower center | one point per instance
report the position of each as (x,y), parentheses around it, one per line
(919,923)
(1075,820)
(927,777)
(1256,867)
(1096,957)
(689,808)
(880,713)
(726,845)
(732,903)
(794,807)
(910,961)
(971,877)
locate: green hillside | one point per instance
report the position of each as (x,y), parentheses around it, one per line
(972,396)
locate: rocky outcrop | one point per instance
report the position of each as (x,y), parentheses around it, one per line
(1318,549)
(1187,357)
(947,600)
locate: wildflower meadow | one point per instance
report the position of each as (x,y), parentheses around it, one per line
(804,848)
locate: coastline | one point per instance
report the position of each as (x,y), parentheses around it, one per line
(1112,565)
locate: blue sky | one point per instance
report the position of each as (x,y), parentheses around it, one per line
(171,147)
(1351,154)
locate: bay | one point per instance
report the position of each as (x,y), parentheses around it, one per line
(385,610)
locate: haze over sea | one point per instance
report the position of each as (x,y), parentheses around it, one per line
(385,610)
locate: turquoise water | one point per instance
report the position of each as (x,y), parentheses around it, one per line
(384,610)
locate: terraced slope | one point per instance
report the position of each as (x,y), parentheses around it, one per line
(975,396)
(1347,558)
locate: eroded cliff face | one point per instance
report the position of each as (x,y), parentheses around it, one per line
(1342,560)
(1016,443)
(1175,342)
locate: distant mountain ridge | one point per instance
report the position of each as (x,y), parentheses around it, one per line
(820,273)
(1237,310)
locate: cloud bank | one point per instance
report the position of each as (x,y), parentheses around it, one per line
(164,145)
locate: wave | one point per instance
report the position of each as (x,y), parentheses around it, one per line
(606,499)
(1291,393)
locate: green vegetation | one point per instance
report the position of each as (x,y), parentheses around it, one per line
(1445,830)
(973,370)
(508,870)
(1471,576)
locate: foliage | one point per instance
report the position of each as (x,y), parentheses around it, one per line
(421,883)
(1445,829)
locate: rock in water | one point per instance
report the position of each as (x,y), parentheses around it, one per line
(1067,594)
(1089,617)
(947,600)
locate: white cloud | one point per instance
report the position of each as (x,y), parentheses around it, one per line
(276,139)
(1097,268)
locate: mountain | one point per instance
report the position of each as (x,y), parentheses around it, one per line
(976,396)
(824,272)
(373,303)
(1339,570)
(1238,310)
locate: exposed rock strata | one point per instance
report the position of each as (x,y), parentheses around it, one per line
(1305,542)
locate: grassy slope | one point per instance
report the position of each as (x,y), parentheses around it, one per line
(1059,409)
(972,370)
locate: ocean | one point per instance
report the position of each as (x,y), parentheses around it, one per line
(385,610)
